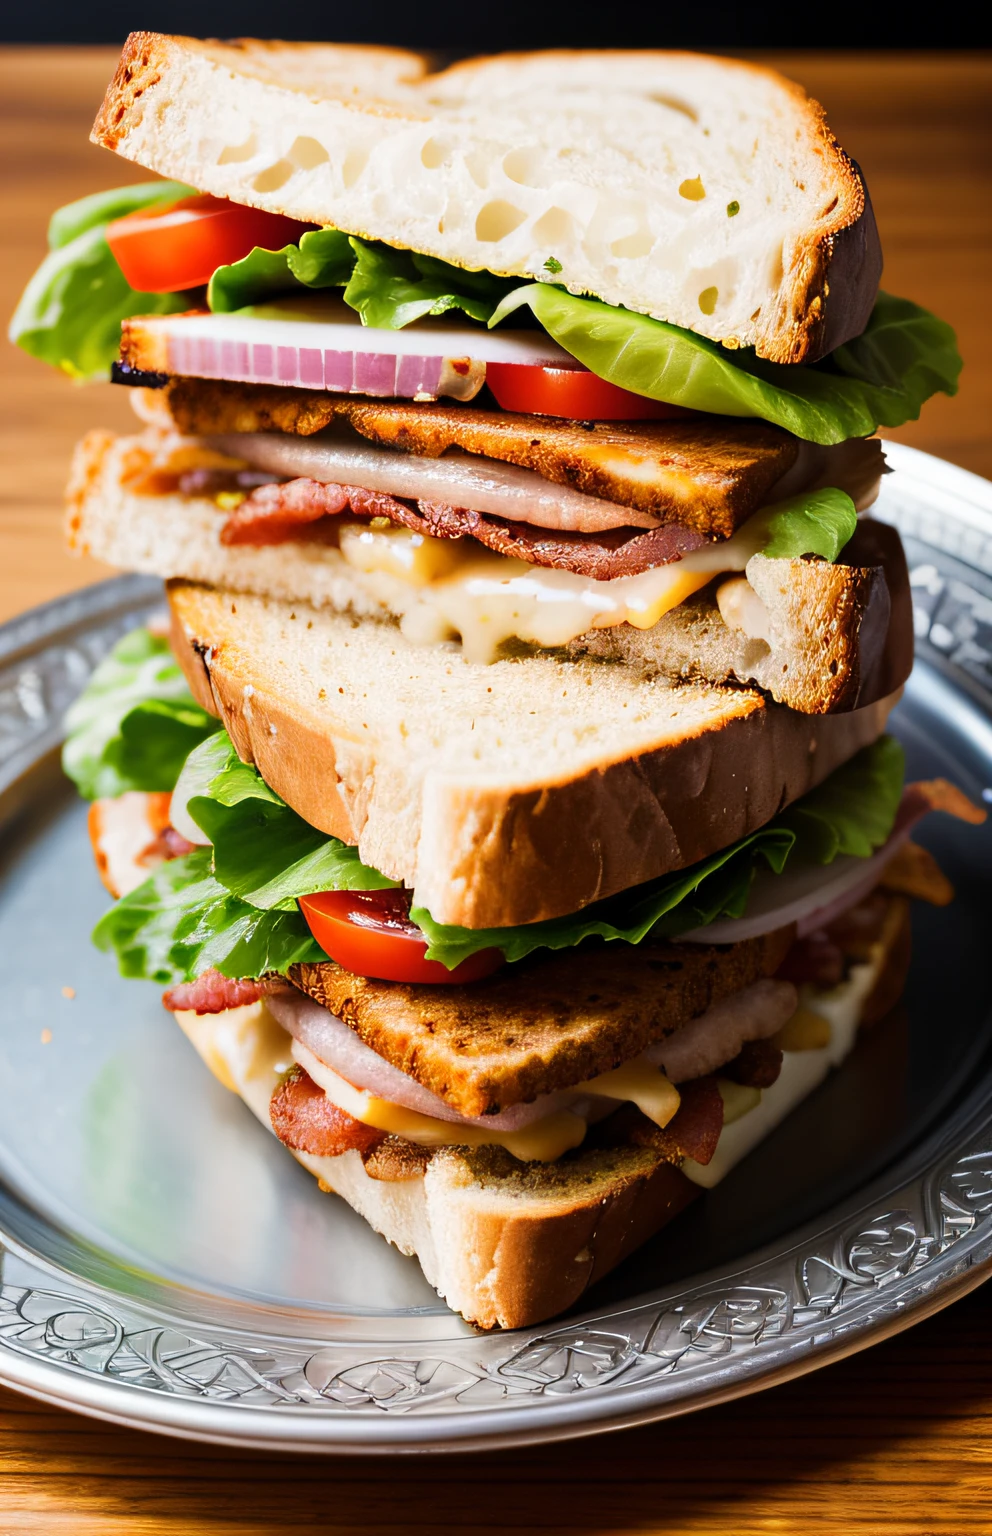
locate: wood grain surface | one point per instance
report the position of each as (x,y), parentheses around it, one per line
(895,1441)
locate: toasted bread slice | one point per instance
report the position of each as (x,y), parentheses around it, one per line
(469,783)
(829,637)
(706,192)
(547,1023)
(708,473)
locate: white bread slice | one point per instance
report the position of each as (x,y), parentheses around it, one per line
(508,1244)
(835,636)
(502,794)
(703,191)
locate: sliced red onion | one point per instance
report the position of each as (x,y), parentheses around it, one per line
(813,895)
(289,346)
(457,479)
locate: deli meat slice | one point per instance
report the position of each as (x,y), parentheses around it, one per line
(304,1118)
(299,509)
(213,993)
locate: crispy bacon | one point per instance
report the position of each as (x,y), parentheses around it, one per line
(304,1118)
(757,1066)
(214,993)
(693,1131)
(297,510)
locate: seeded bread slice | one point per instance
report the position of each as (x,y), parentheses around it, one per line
(704,191)
(502,794)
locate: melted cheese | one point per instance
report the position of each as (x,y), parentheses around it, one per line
(637,1082)
(542,1142)
(443,588)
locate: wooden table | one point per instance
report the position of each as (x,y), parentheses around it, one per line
(897,1440)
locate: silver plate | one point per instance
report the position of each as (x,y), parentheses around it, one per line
(164,1264)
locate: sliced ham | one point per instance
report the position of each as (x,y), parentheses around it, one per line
(811,896)
(214,993)
(457,479)
(340,1049)
(304,1118)
(717,1036)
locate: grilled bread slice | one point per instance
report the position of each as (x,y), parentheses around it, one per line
(706,192)
(546,1023)
(470,784)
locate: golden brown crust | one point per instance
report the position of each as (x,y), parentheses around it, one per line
(530,1247)
(549,1022)
(707,474)
(502,853)
(142,60)
(88,461)
(394,1161)
(842,634)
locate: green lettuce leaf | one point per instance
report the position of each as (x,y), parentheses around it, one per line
(389,288)
(881,379)
(812,523)
(71,311)
(264,852)
(323,259)
(135,723)
(182,922)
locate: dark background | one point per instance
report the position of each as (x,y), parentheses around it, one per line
(460,26)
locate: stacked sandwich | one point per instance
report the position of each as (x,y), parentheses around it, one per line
(510,814)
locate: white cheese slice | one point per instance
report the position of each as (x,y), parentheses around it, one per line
(446,588)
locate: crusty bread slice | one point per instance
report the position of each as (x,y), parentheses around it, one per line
(703,191)
(502,794)
(833,637)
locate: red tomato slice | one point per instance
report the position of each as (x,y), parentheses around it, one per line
(574,393)
(181,245)
(370,933)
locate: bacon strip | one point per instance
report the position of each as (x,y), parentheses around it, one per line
(295,510)
(693,1131)
(214,993)
(757,1066)
(304,1118)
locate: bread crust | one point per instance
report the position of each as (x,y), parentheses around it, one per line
(482,852)
(831,262)
(839,636)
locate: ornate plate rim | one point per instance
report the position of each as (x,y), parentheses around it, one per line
(896,1251)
